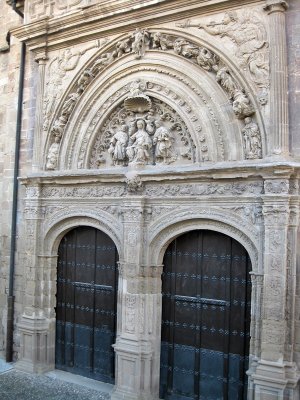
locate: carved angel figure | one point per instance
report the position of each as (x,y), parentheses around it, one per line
(249,35)
(252,139)
(164,144)
(118,145)
(141,40)
(140,145)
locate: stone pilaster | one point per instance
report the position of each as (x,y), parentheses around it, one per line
(38,145)
(139,307)
(33,326)
(276,376)
(279,131)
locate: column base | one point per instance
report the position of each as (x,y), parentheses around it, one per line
(37,347)
(275,381)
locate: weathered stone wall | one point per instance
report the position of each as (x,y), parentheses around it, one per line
(9,68)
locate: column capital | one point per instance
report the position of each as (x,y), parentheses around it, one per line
(275,6)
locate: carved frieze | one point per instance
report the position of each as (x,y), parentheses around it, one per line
(204,189)
(276,186)
(82,192)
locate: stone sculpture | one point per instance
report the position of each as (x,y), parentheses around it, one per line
(163,142)
(241,105)
(141,40)
(118,145)
(140,145)
(52,156)
(248,33)
(252,139)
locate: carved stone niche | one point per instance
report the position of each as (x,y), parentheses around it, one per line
(143,131)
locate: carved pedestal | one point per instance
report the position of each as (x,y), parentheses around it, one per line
(36,344)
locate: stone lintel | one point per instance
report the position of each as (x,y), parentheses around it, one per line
(96,21)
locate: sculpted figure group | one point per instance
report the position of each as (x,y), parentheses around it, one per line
(136,145)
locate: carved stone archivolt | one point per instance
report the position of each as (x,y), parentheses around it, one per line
(138,43)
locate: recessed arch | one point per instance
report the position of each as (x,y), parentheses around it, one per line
(160,241)
(62,226)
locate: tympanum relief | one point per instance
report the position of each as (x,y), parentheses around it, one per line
(136,143)
(143,131)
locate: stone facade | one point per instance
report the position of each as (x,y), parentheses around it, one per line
(148,119)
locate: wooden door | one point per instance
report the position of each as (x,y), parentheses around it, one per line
(86,304)
(205,318)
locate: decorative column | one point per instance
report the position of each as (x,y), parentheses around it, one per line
(279,129)
(33,326)
(137,347)
(41,59)
(275,377)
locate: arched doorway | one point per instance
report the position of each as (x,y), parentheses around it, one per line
(86,304)
(205,318)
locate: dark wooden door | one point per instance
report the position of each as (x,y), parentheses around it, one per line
(205,318)
(86,304)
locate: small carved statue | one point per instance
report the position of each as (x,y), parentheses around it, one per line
(186,49)
(140,145)
(85,79)
(207,60)
(241,105)
(118,145)
(141,40)
(161,42)
(224,78)
(163,144)
(252,139)
(150,122)
(104,60)
(70,103)
(59,126)
(52,157)
(123,47)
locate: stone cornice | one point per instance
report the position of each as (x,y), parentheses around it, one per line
(217,171)
(96,22)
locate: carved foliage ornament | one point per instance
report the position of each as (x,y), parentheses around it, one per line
(138,43)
